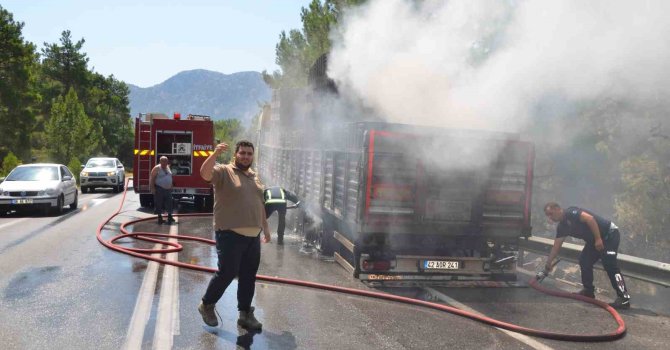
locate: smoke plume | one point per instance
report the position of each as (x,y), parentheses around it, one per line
(490,64)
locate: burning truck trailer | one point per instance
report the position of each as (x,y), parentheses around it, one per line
(402,202)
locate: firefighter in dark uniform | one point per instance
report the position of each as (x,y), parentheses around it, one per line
(601,239)
(275,200)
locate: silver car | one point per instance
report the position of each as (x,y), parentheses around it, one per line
(46,186)
(102,172)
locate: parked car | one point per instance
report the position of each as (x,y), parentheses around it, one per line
(45,186)
(102,172)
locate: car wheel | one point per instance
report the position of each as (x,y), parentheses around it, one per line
(84,190)
(59,206)
(74,204)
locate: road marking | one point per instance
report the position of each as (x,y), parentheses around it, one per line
(143,305)
(520,337)
(12,223)
(167,320)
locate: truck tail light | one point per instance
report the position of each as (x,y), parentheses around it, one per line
(376,265)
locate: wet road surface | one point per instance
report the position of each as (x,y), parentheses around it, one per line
(62,289)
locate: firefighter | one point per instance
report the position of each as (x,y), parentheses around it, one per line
(275,200)
(602,242)
(160,183)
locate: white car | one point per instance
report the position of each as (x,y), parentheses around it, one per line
(102,172)
(46,186)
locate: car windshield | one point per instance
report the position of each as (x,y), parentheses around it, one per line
(100,163)
(33,173)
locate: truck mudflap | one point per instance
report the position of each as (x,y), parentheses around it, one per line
(435,268)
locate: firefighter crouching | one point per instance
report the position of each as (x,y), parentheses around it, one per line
(275,200)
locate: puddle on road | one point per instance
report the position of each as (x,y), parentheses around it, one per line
(26,283)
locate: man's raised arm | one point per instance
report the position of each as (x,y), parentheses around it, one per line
(207,168)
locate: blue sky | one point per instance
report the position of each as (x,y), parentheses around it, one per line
(144,42)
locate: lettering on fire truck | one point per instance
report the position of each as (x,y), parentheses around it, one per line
(203,147)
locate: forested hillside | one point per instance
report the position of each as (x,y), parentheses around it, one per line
(221,96)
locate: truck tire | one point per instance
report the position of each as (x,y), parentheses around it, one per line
(146,200)
(209,203)
(325,241)
(199,203)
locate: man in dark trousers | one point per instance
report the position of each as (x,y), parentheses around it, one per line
(275,200)
(160,183)
(239,217)
(601,239)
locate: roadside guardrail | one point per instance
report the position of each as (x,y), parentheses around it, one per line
(631,266)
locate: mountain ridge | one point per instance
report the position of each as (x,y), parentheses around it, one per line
(205,92)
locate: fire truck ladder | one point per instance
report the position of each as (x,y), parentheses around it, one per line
(144,162)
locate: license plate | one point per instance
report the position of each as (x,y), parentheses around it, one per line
(22,201)
(441,265)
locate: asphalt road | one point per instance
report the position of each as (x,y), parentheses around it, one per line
(61,289)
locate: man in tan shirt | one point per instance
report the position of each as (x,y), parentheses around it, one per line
(239,216)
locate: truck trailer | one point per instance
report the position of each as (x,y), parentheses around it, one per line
(404,202)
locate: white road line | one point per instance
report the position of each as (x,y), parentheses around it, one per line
(520,337)
(145,299)
(167,320)
(12,223)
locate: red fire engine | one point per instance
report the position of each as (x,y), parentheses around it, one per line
(187,142)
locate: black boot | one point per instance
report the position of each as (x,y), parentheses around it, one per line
(160,219)
(248,320)
(621,303)
(170,219)
(280,240)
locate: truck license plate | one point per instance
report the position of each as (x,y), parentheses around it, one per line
(440,265)
(22,201)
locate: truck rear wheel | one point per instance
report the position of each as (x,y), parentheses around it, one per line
(146,200)
(324,241)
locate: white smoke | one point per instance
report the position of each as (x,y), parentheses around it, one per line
(487,64)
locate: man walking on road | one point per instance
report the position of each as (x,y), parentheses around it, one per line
(160,183)
(601,238)
(239,216)
(275,200)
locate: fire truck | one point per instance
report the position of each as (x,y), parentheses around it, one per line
(186,142)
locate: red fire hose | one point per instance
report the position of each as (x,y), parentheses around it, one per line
(175,247)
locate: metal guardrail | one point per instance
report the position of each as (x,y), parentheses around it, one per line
(643,269)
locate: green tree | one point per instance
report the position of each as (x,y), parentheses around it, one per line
(75,167)
(228,131)
(70,132)
(8,163)
(66,64)
(643,203)
(18,92)
(107,105)
(297,51)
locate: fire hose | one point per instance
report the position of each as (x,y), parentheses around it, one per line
(176,247)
